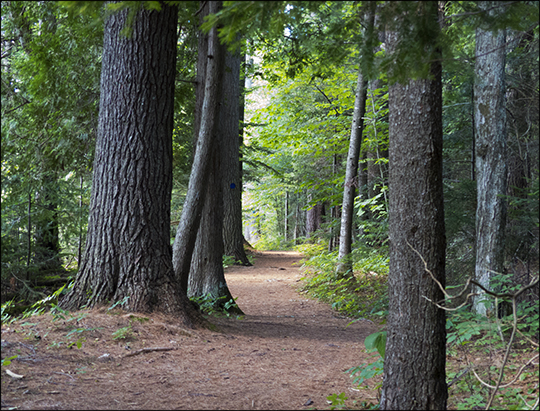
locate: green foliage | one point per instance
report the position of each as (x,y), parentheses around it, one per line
(121,302)
(363,372)
(6,361)
(337,401)
(123,333)
(272,243)
(228,260)
(50,92)
(477,335)
(6,317)
(366,296)
(79,341)
(211,305)
(126,333)
(376,341)
(309,250)
(38,308)
(469,394)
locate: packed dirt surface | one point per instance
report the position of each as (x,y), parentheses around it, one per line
(288,352)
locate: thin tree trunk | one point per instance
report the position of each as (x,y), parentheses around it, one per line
(286,218)
(29,251)
(79,251)
(46,233)
(313,219)
(351,173)
(491,161)
(473,143)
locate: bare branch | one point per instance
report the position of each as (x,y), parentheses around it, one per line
(472,13)
(508,383)
(24,103)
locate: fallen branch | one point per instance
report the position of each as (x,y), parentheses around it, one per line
(13,375)
(149,349)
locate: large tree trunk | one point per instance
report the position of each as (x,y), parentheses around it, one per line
(414,365)
(205,123)
(128,255)
(229,130)
(206,275)
(490,153)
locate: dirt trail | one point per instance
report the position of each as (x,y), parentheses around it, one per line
(289,352)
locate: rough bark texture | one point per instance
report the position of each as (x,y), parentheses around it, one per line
(490,153)
(414,368)
(229,131)
(206,275)
(128,255)
(186,233)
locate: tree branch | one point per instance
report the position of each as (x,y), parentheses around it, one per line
(19,106)
(472,13)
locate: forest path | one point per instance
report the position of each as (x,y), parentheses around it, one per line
(289,352)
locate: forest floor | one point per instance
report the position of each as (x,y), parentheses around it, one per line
(287,352)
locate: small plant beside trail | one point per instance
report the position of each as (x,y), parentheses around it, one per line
(75,331)
(210,305)
(126,333)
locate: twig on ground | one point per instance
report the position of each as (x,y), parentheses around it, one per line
(149,349)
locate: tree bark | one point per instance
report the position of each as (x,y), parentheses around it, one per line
(314,219)
(206,275)
(490,153)
(414,365)
(351,173)
(229,130)
(128,255)
(186,233)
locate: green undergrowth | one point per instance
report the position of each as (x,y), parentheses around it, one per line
(365,297)
(220,306)
(479,344)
